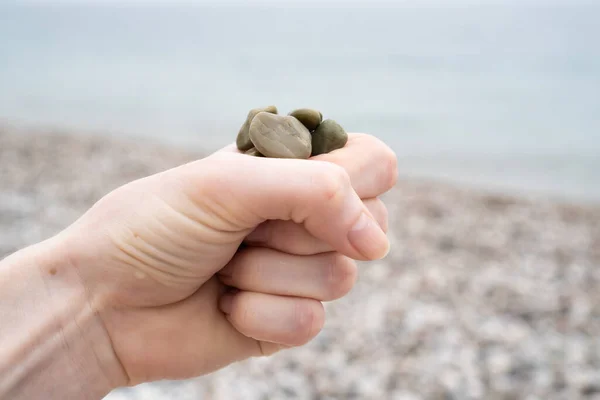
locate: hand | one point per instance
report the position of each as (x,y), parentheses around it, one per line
(157,257)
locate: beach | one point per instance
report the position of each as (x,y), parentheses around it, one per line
(483,296)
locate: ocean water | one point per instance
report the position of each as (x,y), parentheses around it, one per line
(502,96)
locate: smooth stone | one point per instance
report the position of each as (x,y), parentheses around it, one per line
(309,118)
(254,152)
(329,136)
(277,136)
(243,141)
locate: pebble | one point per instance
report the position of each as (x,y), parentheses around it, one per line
(289,137)
(310,118)
(329,136)
(277,136)
(243,141)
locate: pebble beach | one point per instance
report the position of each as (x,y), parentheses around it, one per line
(483,296)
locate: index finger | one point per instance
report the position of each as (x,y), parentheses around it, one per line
(240,192)
(370,163)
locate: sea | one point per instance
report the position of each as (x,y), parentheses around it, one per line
(499,95)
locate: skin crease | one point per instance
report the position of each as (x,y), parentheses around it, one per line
(157,255)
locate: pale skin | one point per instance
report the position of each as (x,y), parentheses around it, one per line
(187,271)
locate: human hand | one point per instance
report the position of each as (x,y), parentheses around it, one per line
(156,256)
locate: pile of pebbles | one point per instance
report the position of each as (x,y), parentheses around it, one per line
(301,134)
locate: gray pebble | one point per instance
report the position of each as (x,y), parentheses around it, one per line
(309,118)
(280,137)
(329,136)
(243,141)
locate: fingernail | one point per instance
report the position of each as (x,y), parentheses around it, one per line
(226,302)
(367,237)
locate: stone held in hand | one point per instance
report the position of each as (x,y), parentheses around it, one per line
(329,136)
(310,118)
(243,141)
(254,152)
(278,136)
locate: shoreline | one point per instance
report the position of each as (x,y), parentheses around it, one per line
(426,168)
(482,296)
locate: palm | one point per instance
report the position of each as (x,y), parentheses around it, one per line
(166,322)
(158,253)
(179,340)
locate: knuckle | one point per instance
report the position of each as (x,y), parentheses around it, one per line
(386,159)
(309,320)
(341,276)
(212,173)
(333,181)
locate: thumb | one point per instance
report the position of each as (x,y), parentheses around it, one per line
(317,194)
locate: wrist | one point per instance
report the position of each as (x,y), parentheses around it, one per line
(54,343)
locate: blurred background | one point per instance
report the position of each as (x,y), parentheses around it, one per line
(497,93)
(492,289)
